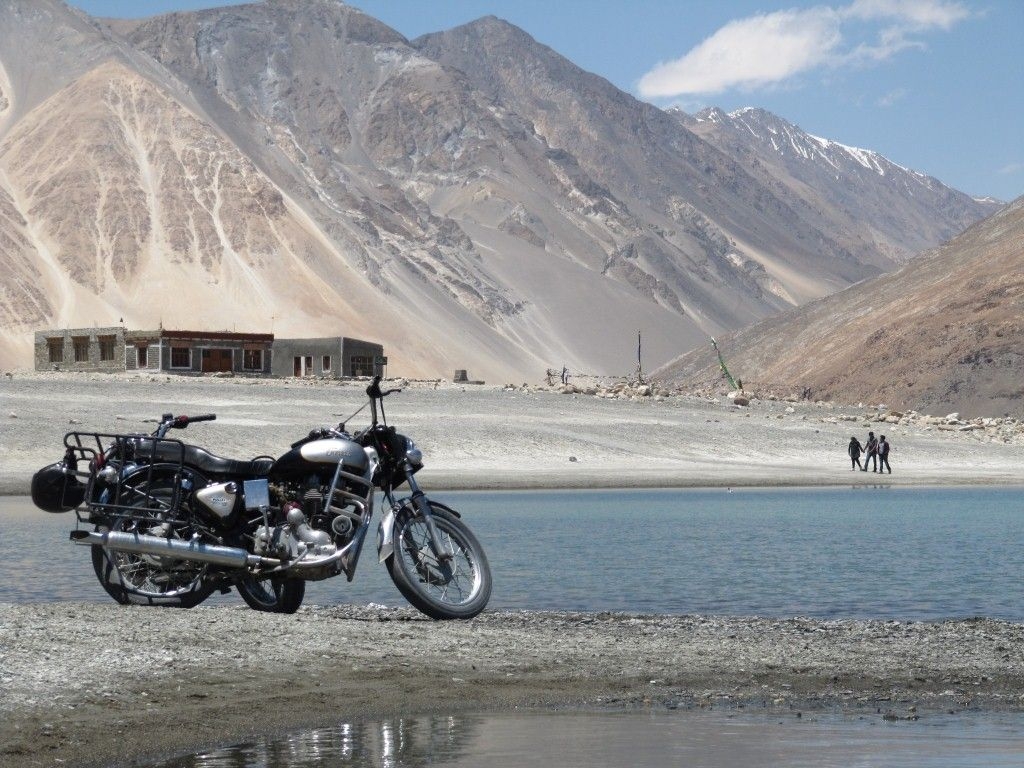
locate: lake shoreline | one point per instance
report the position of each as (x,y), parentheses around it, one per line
(21,488)
(78,679)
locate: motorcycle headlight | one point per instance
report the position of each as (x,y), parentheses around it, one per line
(413,454)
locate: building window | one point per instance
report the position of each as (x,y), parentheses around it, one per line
(362,365)
(107,347)
(327,364)
(56,349)
(81,345)
(181,357)
(142,357)
(252,360)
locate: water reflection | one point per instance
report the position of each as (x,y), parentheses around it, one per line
(397,743)
(636,739)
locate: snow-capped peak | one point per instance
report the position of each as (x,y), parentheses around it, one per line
(790,140)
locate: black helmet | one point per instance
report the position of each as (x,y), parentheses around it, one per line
(55,490)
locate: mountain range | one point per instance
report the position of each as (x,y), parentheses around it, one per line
(471,198)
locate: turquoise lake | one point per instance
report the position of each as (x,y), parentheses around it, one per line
(920,553)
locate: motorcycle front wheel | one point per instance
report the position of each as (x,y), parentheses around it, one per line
(133,579)
(455,588)
(273,595)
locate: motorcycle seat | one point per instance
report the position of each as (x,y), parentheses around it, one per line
(209,464)
(201,459)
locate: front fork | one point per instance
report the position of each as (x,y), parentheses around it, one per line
(385,536)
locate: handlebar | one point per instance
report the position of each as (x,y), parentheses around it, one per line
(373,391)
(184,421)
(170,421)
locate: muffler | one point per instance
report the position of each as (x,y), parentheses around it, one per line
(140,544)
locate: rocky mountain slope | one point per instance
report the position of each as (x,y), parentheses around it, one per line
(944,333)
(882,209)
(470,199)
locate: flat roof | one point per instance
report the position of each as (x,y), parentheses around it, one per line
(217,335)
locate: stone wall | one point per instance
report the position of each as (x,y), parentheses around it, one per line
(80,349)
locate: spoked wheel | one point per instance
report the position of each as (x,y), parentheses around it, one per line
(137,579)
(274,595)
(453,588)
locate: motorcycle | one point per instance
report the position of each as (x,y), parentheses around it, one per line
(169,523)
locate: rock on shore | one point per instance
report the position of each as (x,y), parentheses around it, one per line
(78,683)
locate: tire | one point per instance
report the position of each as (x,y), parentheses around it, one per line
(457,590)
(133,579)
(273,595)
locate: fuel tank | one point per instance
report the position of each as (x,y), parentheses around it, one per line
(320,457)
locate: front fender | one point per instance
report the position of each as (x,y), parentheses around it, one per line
(386,529)
(385,536)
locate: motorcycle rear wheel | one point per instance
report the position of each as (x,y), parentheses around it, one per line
(457,589)
(273,595)
(133,579)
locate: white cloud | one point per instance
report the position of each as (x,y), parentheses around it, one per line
(771,48)
(749,52)
(918,15)
(890,42)
(1012,168)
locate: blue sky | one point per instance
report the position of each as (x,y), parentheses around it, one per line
(935,85)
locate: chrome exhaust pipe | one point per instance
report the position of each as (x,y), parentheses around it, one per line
(140,544)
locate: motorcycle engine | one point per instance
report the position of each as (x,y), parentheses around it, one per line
(293,538)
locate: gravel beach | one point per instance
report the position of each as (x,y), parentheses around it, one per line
(109,685)
(104,685)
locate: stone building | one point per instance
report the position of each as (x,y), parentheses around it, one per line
(199,351)
(115,349)
(80,349)
(333,357)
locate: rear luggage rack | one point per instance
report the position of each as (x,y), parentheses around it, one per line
(111,459)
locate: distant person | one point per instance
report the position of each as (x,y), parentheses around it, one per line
(854,449)
(565,375)
(883,454)
(871,452)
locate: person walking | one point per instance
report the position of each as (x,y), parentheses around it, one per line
(883,454)
(871,452)
(854,449)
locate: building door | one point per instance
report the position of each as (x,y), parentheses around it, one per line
(217,360)
(302,366)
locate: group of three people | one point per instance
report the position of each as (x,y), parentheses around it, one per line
(875,451)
